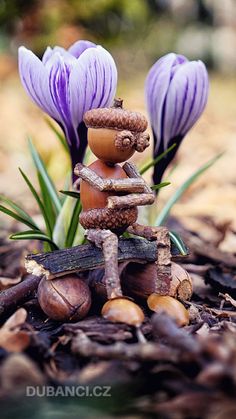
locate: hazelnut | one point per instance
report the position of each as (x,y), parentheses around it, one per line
(123,310)
(65,298)
(170,306)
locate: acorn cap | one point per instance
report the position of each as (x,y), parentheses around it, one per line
(115,118)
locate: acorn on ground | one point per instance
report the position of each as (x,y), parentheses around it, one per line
(123,310)
(169,305)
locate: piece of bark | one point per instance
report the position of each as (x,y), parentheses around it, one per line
(88,257)
(222,280)
(19,293)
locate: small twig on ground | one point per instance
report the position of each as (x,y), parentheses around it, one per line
(18,294)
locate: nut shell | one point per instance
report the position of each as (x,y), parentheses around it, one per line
(65,299)
(122,310)
(169,305)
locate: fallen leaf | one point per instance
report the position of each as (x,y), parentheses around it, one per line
(6,282)
(12,338)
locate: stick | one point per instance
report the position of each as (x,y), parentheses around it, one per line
(132,171)
(85,347)
(87,257)
(117,185)
(131,200)
(19,293)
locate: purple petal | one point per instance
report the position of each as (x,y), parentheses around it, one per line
(156,88)
(59,72)
(93,82)
(34,78)
(176,94)
(179,100)
(201,96)
(79,47)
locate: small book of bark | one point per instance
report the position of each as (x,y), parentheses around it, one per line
(86,257)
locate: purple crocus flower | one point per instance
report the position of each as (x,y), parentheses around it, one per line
(176,95)
(67,83)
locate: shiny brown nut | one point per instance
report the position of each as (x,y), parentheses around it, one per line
(170,306)
(64,299)
(122,310)
(102,142)
(93,198)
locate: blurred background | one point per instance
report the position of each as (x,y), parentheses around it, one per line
(137,33)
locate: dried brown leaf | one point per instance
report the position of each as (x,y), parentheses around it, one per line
(11,337)
(6,282)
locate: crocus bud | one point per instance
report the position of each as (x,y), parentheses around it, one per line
(176,95)
(67,83)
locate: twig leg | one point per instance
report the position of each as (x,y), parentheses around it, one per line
(163,262)
(108,241)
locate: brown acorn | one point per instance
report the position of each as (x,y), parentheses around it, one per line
(115,133)
(67,298)
(93,198)
(170,306)
(102,142)
(123,310)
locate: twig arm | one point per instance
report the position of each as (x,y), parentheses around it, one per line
(107,185)
(131,200)
(132,171)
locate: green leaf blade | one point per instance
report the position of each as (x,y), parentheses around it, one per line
(73,224)
(17,217)
(45,176)
(33,235)
(178,242)
(72,194)
(18,210)
(156,160)
(39,202)
(161,218)
(160,185)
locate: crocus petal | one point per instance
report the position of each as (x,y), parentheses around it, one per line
(176,94)
(66,84)
(92,83)
(156,87)
(52,51)
(79,47)
(34,77)
(180,97)
(59,71)
(201,96)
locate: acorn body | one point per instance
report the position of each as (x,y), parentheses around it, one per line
(94,202)
(91,197)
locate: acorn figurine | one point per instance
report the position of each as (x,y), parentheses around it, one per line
(110,193)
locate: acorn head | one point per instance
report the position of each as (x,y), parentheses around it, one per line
(115,133)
